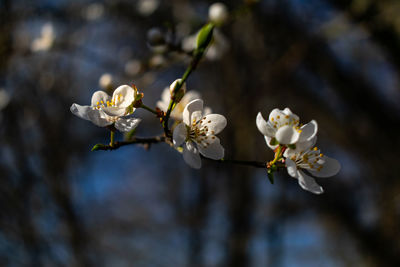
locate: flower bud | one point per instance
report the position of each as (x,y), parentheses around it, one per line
(218,13)
(204,37)
(155,37)
(181,92)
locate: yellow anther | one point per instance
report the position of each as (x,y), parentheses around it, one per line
(315,148)
(278,117)
(102,102)
(98,103)
(321,155)
(272,119)
(287,116)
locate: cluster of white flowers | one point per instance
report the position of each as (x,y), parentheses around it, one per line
(298,149)
(195,128)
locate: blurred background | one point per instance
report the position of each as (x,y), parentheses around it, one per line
(334,61)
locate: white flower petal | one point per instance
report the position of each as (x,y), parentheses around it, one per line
(180,134)
(126,125)
(308,183)
(189,96)
(191,155)
(287,135)
(115,111)
(165,98)
(174,84)
(300,146)
(123,96)
(99,118)
(214,150)
(81,111)
(268,140)
(329,168)
(215,123)
(292,168)
(207,110)
(275,113)
(287,111)
(308,131)
(197,115)
(98,97)
(193,106)
(264,127)
(162,105)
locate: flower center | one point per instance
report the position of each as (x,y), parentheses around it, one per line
(113,103)
(285,120)
(309,159)
(198,132)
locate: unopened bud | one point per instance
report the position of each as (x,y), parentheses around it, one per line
(204,37)
(218,13)
(155,37)
(177,96)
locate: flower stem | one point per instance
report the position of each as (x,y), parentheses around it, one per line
(149,109)
(112,135)
(277,155)
(197,56)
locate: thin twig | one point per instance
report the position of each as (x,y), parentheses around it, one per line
(134,140)
(256,164)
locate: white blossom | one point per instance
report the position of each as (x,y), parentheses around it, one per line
(311,160)
(180,106)
(105,110)
(283,126)
(106,80)
(197,134)
(147,7)
(218,13)
(45,40)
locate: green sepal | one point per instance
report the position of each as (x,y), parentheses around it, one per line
(292,146)
(130,134)
(98,147)
(204,37)
(270,174)
(273,142)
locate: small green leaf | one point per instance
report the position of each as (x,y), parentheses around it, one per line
(204,36)
(98,147)
(270,174)
(273,142)
(292,146)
